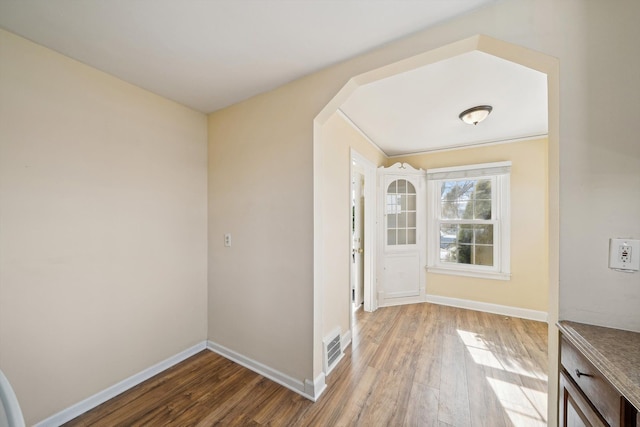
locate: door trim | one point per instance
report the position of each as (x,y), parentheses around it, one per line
(369,259)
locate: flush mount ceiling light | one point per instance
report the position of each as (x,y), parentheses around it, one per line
(475,115)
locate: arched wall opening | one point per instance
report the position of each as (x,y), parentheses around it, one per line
(517,54)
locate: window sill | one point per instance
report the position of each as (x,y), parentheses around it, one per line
(467,273)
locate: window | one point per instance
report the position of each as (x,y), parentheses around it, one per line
(469,220)
(401,213)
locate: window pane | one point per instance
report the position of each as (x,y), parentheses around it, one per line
(465,209)
(392,188)
(411,203)
(484,255)
(465,234)
(483,189)
(483,199)
(462,190)
(392,204)
(410,188)
(467,244)
(391,237)
(449,230)
(411,219)
(402,186)
(448,242)
(464,254)
(484,234)
(466,199)
(457,190)
(411,236)
(403,202)
(391,221)
(483,209)
(448,252)
(402,237)
(402,220)
(449,210)
(456,210)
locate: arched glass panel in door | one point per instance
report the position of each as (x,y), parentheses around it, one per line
(400,211)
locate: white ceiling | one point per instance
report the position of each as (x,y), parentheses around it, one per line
(211,54)
(417,111)
(208,54)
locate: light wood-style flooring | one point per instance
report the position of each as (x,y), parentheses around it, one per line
(413,365)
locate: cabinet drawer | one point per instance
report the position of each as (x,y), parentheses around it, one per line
(596,388)
(575,409)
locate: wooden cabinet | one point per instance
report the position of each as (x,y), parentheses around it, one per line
(575,409)
(587,398)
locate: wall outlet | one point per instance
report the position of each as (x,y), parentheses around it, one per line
(624,254)
(227,240)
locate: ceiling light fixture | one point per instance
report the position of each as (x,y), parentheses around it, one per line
(475,115)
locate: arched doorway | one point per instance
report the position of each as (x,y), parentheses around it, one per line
(534,60)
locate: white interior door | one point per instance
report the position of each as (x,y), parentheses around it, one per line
(402,225)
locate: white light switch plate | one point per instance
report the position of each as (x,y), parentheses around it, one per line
(624,254)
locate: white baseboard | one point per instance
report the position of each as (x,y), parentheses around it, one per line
(391,302)
(307,388)
(124,385)
(315,387)
(504,310)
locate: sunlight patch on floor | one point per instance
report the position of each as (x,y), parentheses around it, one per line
(472,340)
(522,408)
(524,405)
(481,353)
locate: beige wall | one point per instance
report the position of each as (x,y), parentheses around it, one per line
(598,146)
(102,228)
(597,149)
(338,138)
(260,191)
(529,284)
(92,260)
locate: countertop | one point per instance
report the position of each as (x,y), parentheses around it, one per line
(616,353)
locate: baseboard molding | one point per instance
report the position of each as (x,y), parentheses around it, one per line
(504,310)
(307,388)
(315,387)
(392,302)
(91,402)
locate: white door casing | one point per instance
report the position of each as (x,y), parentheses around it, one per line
(401,234)
(369,271)
(357,243)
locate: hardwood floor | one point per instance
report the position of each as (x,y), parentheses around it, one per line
(414,365)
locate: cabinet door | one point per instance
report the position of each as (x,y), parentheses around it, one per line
(575,409)
(401,245)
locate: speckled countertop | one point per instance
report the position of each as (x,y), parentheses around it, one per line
(614,352)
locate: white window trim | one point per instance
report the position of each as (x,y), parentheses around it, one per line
(500,173)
